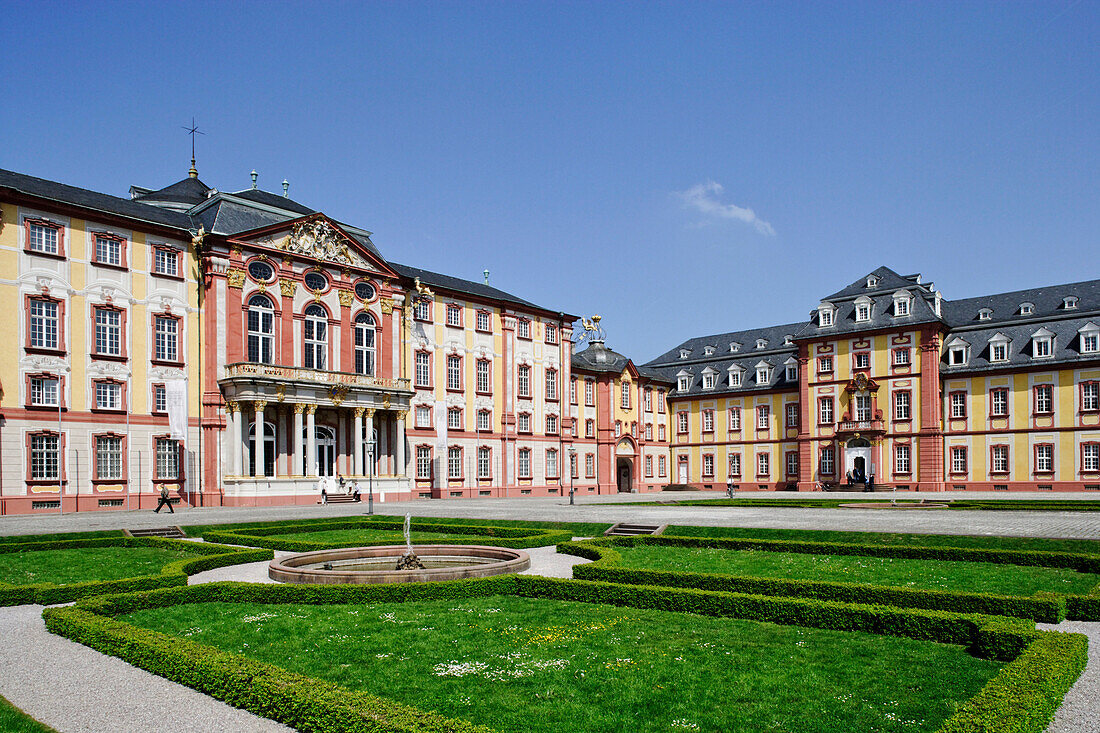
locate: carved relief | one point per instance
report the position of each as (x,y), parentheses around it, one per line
(387,305)
(287,287)
(235,277)
(280,392)
(319,239)
(337,393)
(299,408)
(346,298)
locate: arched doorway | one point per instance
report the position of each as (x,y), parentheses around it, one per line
(269,449)
(325,442)
(624,465)
(857,459)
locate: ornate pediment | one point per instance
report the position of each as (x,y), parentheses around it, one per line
(317,238)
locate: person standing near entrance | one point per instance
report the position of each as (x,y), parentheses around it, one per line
(164,501)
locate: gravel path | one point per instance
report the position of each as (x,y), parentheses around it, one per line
(1080,711)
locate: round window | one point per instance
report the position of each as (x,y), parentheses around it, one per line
(364,290)
(261,271)
(316,281)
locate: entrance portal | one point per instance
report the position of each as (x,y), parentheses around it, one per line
(857,459)
(325,442)
(269,449)
(625,475)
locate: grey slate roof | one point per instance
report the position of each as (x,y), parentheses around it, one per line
(888,281)
(93,200)
(1006,306)
(189,191)
(598,358)
(447,282)
(229,217)
(274,199)
(1067,346)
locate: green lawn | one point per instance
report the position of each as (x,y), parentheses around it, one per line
(14,720)
(83,564)
(579,529)
(518,664)
(888,538)
(373,536)
(974,577)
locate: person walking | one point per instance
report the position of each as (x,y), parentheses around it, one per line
(164,501)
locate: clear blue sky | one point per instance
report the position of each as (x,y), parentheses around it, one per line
(681,169)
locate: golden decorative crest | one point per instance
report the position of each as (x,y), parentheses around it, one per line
(337,393)
(288,287)
(346,298)
(387,305)
(317,238)
(280,392)
(235,277)
(386,402)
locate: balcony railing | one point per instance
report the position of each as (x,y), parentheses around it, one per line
(851,426)
(316,376)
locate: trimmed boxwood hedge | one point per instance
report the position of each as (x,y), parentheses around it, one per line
(1046,607)
(172,574)
(1043,664)
(513,537)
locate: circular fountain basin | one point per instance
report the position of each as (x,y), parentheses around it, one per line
(376,564)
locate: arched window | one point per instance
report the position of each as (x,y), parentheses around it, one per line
(364,344)
(261,330)
(315,338)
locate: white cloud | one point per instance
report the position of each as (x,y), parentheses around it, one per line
(703,197)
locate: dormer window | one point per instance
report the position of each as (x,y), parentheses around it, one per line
(985,314)
(735,376)
(685,353)
(1069,302)
(863,310)
(710,378)
(872,281)
(734,347)
(761,343)
(792,372)
(958,352)
(824,316)
(683,383)
(763,374)
(1026,309)
(708,350)
(1090,338)
(1042,344)
(998,348)
(901,304)
(788,340)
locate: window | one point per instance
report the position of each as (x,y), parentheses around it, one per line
(1090,340)
(590,428)
(1026,309)
(573,463)
(998,459)
(422,310)
(792,415)
(551,424)
(901,357)
(792,373)
(166,261)
(958,405)
(44,457)
(160,398)
(44,237)
(985,314)
(454,419)
(44,391)
(647,399)
(958,459)
(863,313)
(762,417)
(708,421)
(624,395)
(660,401)
(168,459)
(166,338)
(364,290)
(763,464)
(734,466)
(825,317)
(589,392)
(484,462)
(618,428)
(108,457)
(1090,457)
(423,372)
(523,328)
(862,360)
(261,330)
(523,422)
(825,365)
(423,462)
(735,377)
(454,462)
(763,375)
(45,324)
(863,408)
(109,250)
(1090,396)
(683,383)
(484,321)
(682,423)
(589,465)
(572,390)
(828,461)
(649,466)
(791,458)
(551,463)
(733,416)
(551,333)
(1042,347)
(998,352)
(454,372)
(108,395)
(523,380)
(902,453)
(315,281)
(524,463)
(423,416)
(1044,458)
(260,271)
(708,464)
(454,315)
(315,337)
(364,344)
(956,355)
(998,403)
(484,377)
(551,384)
(825,410)
(903,405)
(901,306)
(649,431)
(1044,399)
(660,466)
(709,380)
(484,420)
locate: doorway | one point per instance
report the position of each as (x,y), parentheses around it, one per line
(857,459)
(625,475)
(269,449)
(682,470)
(325,443)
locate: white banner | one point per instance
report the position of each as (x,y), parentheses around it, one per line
(175,398)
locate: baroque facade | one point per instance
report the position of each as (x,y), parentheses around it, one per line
(296,350)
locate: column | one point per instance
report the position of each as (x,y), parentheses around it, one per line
(357,440)
(370,457)
(258,434)
(311,442)
(234,436)
(402,466)
(341,443)
(296,441)
(384,442)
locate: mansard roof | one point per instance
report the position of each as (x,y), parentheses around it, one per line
(273,199)
(1048,302)
(189,191)
(888,281)
(774,335)
(52,191)
(1066,347)
(439,281)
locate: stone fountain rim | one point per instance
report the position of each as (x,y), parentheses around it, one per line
(288,570)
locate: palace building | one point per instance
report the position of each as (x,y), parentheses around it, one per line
(236,347)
